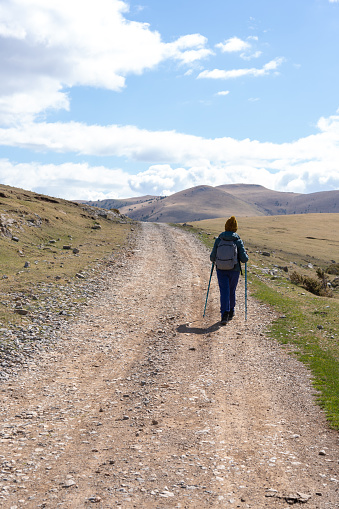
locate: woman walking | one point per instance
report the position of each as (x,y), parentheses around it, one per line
(227,254)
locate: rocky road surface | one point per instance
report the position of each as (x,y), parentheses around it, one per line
(142,403)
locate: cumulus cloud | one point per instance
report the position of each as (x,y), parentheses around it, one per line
(47,47)
(233,45)
(221,74)
(26,104)
(68,180)
(237,45)
(188,48)
(223,92)
(176,161)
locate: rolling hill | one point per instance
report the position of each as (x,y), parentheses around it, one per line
(207,202)
(120,203)
(278,203)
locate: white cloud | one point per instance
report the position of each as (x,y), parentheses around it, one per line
(250,56)
(218,74)
(27,104)
(237,45)
(160,178)
(223,92)
(233,45)
(47,47)
(188,48)
(176,161)
(68,180)
(163,146)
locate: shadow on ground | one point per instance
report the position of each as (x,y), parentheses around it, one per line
(185,329)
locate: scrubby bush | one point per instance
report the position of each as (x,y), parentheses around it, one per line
(296,278)
(312,285)
(333,269)
(323,278)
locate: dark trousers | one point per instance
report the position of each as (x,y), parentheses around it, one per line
(228,281)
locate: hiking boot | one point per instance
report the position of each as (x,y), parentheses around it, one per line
(231,314)
(224,318)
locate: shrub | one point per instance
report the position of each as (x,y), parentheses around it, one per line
(315,286)
(333,269)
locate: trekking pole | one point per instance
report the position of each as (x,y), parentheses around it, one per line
(208,289)
(246,291)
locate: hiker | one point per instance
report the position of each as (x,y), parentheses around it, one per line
(227,253)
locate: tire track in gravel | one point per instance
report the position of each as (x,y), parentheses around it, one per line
(144,404)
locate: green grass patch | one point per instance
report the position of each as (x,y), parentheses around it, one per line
(309,324)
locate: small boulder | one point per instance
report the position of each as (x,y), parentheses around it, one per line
(20,311)
(95,499)
(68,483)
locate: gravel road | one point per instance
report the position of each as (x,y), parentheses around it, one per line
(142,403)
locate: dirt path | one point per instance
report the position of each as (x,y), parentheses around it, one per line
(144,404)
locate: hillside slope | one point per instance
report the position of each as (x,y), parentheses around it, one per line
(267,201)
(50,240)
(201,202)
(278,203)
(126,203)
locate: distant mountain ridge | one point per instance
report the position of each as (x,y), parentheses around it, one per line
(207,202)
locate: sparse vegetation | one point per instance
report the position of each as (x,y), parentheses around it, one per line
(49,240)
(309,328)
(316,286)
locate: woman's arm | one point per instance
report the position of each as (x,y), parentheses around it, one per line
(214,250)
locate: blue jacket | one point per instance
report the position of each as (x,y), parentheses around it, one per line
(242,255)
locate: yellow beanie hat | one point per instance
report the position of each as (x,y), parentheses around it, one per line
(231,224)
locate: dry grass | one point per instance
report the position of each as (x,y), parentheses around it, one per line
(36,222)
(312,238)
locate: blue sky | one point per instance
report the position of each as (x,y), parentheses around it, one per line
(113,99)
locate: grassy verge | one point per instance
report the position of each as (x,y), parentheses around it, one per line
(308,324)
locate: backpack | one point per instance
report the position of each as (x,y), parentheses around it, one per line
(227,255)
